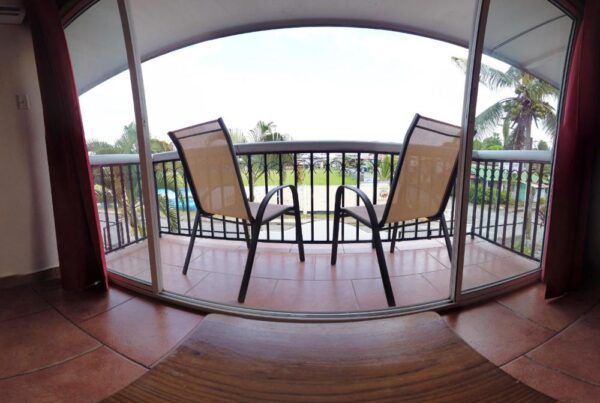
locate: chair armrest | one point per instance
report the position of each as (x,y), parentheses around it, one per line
(363,196)
(265,201)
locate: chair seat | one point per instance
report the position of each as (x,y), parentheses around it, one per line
(272,210)
(361,214)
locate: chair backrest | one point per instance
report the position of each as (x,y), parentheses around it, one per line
(426,171)
(210,164)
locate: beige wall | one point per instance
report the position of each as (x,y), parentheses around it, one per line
(27,239)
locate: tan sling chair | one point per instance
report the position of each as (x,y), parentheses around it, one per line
(212,171)
(420,188)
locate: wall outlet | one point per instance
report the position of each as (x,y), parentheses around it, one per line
(22,102)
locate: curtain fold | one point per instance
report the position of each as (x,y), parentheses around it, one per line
(80,249)
(575,150)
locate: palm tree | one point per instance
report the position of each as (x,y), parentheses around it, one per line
(263,132)
(530,104)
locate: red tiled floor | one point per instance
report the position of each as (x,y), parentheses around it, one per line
(474,254)
(473,276)
(221,260)
(81,305)
(88,378)
(314,296)
(283,266)
(40,340)
(575,351)
(496,332)
(554,314)
(413,261)
(142,330)
(175,281)
(348,266)
(16,302)
(495,249)
(420,244)
(408,290)
(173,253)
(129,265)
(509,266)
(552,383)
(225,260)
(224,288)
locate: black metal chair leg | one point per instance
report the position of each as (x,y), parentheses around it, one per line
(385,278)
(446,236)
(249,262)
(336,234)
(188,255)
(394,236)
(299,238)
(246,234)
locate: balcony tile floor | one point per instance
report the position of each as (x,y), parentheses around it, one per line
(419,270)
(83,346)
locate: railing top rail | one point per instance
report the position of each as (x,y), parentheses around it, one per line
(367,147)
(114,159)
(513,155)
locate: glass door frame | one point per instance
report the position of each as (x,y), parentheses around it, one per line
(456,295)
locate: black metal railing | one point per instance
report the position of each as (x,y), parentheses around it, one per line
(117,184)
(507,206)
(509,197)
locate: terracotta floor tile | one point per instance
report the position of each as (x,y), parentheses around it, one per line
(314,296)
(508,267)
(419,244)
(224,288)
(473,276)
(220,260)
(496,332)
(495,249)
(39,340)
(81,305)
(554,314)
(175,281)
(276,247)
(283,266)
(575,351)
(20,301)
(317,249)
(88,378)
(142,330)
(408,290)
(129,265)
(172,252)
(348,266)
(47,285)
(404,262)
(552,383)
(347,248)
(473,255)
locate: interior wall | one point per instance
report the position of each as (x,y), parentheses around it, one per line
(27,238)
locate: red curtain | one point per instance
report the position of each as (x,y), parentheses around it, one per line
(575,149)
(80,250)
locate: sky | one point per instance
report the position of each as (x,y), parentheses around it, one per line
(313,83)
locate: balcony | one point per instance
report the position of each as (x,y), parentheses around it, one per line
(506,222)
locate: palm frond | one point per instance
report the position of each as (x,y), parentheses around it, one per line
(494,78)
(490,118)
(491,77)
